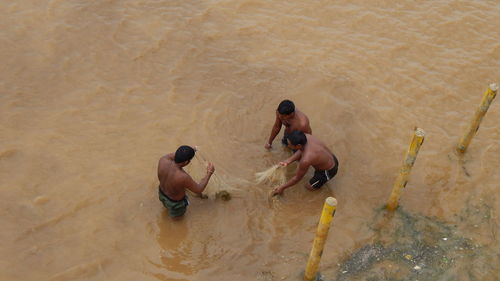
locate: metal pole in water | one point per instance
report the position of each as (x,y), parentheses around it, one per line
(319,241)
(488,97)
(404,173)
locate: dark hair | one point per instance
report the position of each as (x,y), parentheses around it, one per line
(286,107)
(184,153)
(297,137)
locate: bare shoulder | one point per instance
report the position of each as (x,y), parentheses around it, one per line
(277,120)
(183,178)
(314,140)
(164,163)
(307,158)
(318,145)
(302,115)
(165,159)
(304,121)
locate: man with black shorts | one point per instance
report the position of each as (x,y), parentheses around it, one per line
(310,151)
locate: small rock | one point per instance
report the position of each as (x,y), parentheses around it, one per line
(417,267)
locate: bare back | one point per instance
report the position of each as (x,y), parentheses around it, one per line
(316,154)
(172,178)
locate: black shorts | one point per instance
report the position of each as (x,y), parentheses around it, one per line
(322,176)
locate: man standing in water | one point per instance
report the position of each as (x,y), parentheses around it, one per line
(309,152)
(174,180)
(291,118)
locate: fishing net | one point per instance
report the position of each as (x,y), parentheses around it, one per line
(274,175)
(218,186)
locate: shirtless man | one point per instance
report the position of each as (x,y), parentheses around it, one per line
(174,180)
(309,152)
(291,118)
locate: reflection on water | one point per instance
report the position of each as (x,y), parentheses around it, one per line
(176,250)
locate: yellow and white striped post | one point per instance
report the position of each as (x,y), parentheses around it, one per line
(319,241)
(488,97)
(404,173)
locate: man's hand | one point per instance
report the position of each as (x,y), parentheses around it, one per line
(268,146)
(283,163)
(210,168)
(277,191)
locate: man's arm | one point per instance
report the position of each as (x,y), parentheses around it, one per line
(307,126)
(301,171)
(198,188)
(274,132)
(296,156)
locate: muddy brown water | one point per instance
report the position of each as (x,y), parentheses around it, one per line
(92,93)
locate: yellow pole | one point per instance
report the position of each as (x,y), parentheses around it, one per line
(319,241)
(488,97)
(404,173)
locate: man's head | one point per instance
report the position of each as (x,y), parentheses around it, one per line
(286,109)
(183,155)
(296,140)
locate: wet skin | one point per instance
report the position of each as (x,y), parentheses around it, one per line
(296,121)
(174,180)
(314,153)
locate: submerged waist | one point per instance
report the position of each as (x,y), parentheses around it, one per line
(166,196)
